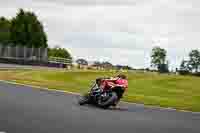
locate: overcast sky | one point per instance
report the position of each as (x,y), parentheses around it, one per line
(119,31)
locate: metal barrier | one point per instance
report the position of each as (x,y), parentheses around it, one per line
(23,53)
(59,60)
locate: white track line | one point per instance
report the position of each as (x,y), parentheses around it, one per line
(32,86)
(74,93)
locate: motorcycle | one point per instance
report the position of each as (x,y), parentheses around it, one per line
(99,97)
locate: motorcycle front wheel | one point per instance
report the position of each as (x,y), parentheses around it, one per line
(84,100)
(108,102)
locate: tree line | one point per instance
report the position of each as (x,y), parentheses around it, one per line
(59,52)
(193,63)
(25,29)
(158,60)
(101,65)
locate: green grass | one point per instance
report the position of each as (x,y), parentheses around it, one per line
(180,92)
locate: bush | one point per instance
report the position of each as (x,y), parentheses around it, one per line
(184,72)
(196,74)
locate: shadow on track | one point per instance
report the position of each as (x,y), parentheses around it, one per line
(89,106)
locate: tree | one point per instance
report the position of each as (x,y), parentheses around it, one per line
(184,65)
(59,52)
(127,67)
(158,58)
(97,63)
(184,68)
(106,65)
(81,62)
(4,30)
(119,67)
(194,60)
(27,30)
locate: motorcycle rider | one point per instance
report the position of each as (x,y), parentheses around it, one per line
(113,83)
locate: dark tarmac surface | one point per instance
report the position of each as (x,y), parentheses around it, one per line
(27,110)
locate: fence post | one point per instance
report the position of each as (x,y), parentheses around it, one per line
(16,52)
(24,52)
(8,51)
(0,49)
(32,53)
(46,54)
(39,53)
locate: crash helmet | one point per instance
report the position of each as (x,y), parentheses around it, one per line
(122,76)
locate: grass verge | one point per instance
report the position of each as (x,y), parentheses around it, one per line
(180,92)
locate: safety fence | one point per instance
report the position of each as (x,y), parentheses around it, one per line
(23,53)
(59,60)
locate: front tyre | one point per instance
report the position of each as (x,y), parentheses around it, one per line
(108,102)
(83,100)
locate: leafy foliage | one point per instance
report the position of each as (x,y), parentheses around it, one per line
(184,68)
(118,67)
(97,64)
(81,62)
(191,65)
(27,30)
(194,60)
(158,58)
(106,64)
(59,52)
(184,65)
(4,30)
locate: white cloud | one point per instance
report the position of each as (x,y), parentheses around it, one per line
(103,27)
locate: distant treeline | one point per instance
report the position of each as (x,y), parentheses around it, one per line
(59,52)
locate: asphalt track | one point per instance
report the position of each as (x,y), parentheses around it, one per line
(27,110)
